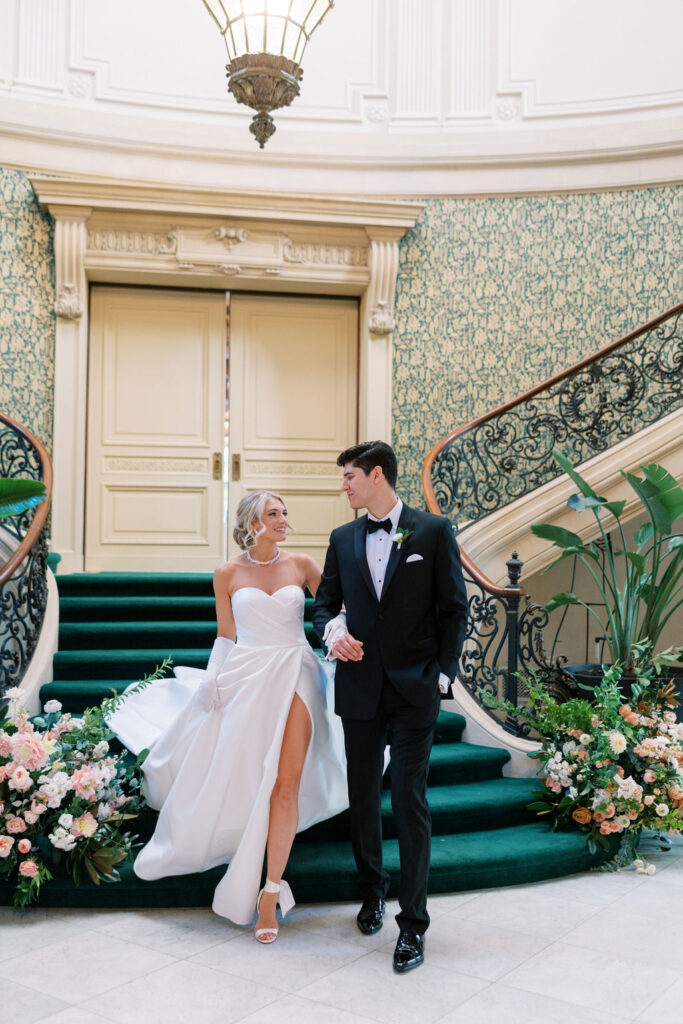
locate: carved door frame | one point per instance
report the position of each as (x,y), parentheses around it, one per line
(114,232)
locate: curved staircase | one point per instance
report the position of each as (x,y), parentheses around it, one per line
(115,628)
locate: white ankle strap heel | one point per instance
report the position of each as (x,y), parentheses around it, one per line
(286,901)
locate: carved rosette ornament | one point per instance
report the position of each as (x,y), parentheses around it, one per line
(381,319)
(263,81)
(68,303)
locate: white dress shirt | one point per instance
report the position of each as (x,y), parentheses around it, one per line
(378,546)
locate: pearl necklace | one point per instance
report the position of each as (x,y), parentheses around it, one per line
(270,561)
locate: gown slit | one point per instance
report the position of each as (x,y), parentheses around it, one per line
(213,764)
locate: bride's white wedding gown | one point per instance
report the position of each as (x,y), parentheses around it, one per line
(215,746)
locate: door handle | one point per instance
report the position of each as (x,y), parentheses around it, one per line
(217,465)
(236,463)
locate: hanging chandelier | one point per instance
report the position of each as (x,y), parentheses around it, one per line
(265,40)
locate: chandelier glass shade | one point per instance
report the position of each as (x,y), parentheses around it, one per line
(265,41)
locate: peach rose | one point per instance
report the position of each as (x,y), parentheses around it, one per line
(6,844)
(649,775)
(28,868)
(16,825)
(24,845)
(581,815)
(84,826)
(30,818)
(37,807)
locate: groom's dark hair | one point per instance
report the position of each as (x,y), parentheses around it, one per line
(369,454)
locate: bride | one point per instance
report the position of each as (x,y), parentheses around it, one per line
(249,751)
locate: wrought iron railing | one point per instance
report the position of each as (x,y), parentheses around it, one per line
(23,577)
(507,453)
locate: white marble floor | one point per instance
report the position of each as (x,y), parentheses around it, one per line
(590,949)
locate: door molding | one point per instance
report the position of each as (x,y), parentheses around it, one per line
(114,232)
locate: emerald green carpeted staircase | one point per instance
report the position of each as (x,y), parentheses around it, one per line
(117,627)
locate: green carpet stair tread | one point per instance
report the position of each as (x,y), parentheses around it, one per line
(143,583)
(114,636)
(460,807)
(326,872)
(85,608)
(465,762)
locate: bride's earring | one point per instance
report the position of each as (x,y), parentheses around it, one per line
(286,901)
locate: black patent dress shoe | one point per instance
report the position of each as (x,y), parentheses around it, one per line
(370,915)
(409,952)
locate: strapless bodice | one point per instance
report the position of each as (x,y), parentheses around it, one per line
(269,620)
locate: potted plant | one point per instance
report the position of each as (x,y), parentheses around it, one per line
(18,495)
(641,585)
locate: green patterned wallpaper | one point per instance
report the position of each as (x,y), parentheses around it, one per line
(27,297)
(495,295)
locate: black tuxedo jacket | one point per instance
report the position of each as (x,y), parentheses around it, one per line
(414,631)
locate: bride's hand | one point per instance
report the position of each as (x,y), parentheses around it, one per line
(347,648)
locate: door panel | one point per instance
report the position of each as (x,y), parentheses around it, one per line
(155,417)
(293,407)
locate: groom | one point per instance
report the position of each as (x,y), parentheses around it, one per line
(397,572)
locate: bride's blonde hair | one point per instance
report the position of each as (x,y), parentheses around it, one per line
(249,510)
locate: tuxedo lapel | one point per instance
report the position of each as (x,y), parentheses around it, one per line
(360,532)
(405,522)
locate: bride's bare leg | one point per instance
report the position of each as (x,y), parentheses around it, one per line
(284,811)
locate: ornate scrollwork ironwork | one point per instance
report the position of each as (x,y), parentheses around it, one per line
(585,412)
(23,597)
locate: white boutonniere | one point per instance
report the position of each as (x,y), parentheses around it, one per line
(400,537)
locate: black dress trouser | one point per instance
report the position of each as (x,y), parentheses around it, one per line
(409,730)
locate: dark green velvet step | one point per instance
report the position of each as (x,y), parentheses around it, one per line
(137,609)
(459,807)
(136,584)
(325,872)
(113,636)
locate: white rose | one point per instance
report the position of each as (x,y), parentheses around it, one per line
(585,739)
(617,741)
(66,820)
(101,749)
(52,707)
(650,869)
(662,810)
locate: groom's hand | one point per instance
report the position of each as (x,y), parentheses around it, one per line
(346,648)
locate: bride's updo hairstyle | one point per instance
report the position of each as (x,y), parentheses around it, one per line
(249,511)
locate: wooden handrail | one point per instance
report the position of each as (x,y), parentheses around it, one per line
(427,486)
(42,510)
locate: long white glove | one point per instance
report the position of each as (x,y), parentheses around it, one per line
(334,629)
(219,652)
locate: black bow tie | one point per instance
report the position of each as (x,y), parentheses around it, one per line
(382,524)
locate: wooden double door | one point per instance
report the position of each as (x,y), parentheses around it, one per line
(196,398)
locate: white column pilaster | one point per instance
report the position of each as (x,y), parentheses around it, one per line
(71,364)
(376,334)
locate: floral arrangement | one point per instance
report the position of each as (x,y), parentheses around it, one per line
(64,795)
(611,764)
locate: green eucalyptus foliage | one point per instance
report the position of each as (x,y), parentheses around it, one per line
(641,587)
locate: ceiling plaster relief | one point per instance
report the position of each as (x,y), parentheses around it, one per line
(449,97)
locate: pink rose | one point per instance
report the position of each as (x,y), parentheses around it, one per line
(6,844)
(16,825)
(649,799)
(649,775)
(24,845)
(30,818)
(38,808)
(28,868)
(5,744)
(85,782)
(28,749)
(85,826)
(21,780)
